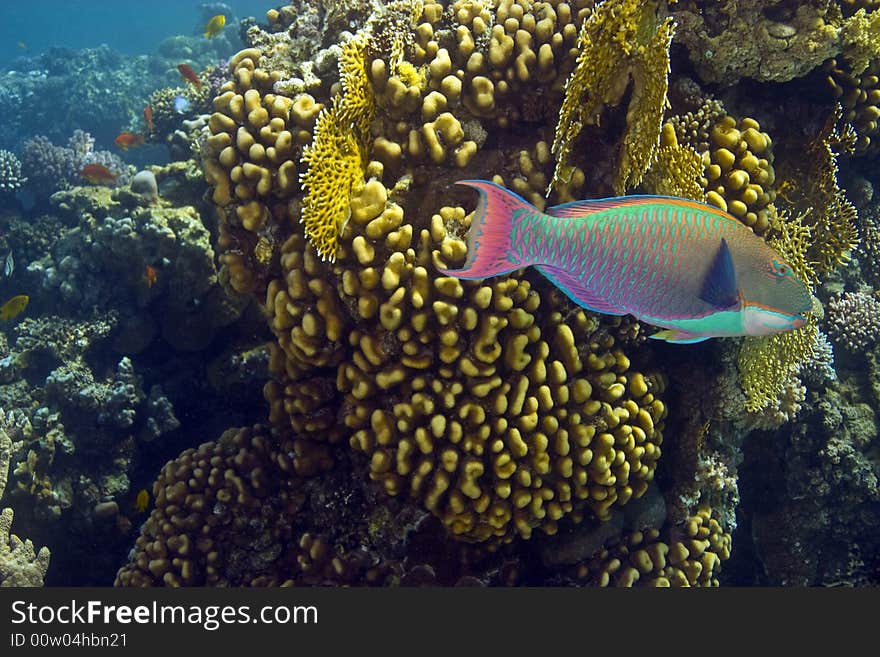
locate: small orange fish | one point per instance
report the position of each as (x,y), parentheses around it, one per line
(151,275)
(98,173)
(189,75)
(148,119)
(127,140)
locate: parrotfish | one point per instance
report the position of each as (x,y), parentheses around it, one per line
(684,266)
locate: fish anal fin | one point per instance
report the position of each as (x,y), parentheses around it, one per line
(575,290)
(719,286)
(676,336)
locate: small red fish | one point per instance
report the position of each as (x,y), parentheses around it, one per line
(150,275)
(127,140)
(97,174)
(148,119)
(189,75)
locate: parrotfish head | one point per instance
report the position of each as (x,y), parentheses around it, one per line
(774,298)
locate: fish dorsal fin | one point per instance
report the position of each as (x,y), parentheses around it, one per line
(576,291)
(576,209)
(719,286)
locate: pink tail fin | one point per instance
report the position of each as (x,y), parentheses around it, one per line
(489,240)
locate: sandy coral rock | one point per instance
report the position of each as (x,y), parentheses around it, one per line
(20,563)
(730,41)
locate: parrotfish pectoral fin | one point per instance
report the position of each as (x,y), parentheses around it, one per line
(576,291)
(678,337)
(489,239)
(719,285)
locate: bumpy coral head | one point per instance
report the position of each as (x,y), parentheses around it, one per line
(775,297)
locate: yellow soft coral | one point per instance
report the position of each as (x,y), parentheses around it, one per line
(677,168)
(812,189)
(621,40)
(769,364)
(337,155)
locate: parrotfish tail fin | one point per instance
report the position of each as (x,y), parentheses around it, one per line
(490,238)
(678,337)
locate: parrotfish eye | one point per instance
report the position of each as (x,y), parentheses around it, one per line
(779,269)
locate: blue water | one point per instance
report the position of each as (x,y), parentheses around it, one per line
(129,26)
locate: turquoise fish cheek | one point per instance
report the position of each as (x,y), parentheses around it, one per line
(725,323)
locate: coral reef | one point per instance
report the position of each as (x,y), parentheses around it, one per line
(51,168)
(815,523)
(113,238)
(75,417)
(519,454)
(95,89)
(496,408)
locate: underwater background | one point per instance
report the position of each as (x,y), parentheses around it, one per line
(228,356)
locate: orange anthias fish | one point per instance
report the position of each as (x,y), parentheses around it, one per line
(127,140)
(97,174)
(148,119)
(189,75)
(151,275)
(215,25)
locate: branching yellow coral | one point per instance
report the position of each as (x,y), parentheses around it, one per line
(768,365)
(676,170)
(813,190)
(621,40)
(337,155)
(861,39)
